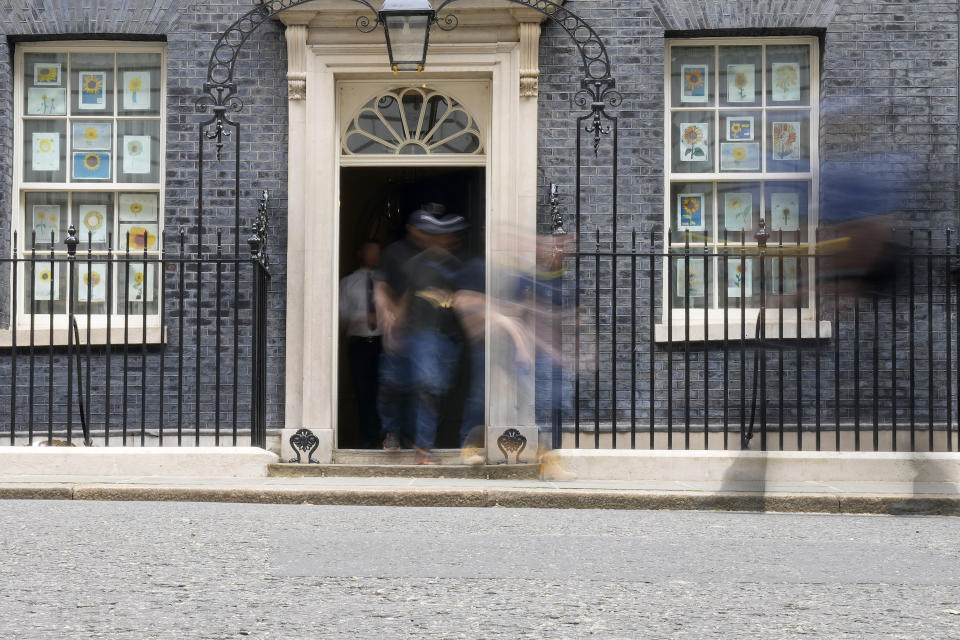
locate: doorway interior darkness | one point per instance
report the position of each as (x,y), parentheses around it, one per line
(374,204)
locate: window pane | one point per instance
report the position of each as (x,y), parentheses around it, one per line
(691,72)
(788,75)
(738,211)
(44,84)
(692,212)
(93,218)
(788,141)
(138,143)
(46,215)
(139,221)
(136,286)
(740,76)
(44,150)
(92,84)
(785,211)
(139,84)
(692,280)
(692,135)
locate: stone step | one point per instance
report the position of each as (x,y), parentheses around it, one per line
(488,472)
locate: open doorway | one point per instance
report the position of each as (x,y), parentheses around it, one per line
(374,205)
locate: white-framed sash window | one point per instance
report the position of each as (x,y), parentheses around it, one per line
(741,121)
(88,152)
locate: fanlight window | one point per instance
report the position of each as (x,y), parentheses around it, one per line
(412,121)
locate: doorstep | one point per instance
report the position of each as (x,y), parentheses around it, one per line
(483,472)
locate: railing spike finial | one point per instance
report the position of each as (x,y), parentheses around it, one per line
(71,240)
(762,235)
(556,216)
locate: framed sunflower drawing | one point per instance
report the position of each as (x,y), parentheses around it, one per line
(91,282)
(786,141)
(136,90)
(141,283)
(739,278)
(91,165)
(785,82)
(690,212)
(791,272)
(142,236)
(136,154)
(93,223)
(92,136)
(46,101)
(694,284)
(694,141)
(46,281)
(785,211)
(93,90)
(695,83)
(46,74)
(46,152)
(738,211)
(740,128)
(741,83)
(138,207)
(740,156)
(46,221)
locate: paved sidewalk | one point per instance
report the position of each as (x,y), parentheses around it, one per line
(815,497)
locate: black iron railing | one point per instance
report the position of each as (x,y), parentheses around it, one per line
(136,347)
(811,354)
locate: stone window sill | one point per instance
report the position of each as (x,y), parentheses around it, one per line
(807,329)
(98,336)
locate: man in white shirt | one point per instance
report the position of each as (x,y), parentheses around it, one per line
(358,316)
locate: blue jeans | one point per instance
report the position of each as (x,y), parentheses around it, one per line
(433,364)
(393,399)
(473,409)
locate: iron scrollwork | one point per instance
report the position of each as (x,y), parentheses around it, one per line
(511,441)
(302,441)
(258,241)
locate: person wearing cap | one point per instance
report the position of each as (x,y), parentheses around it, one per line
(411,308)
(434,336)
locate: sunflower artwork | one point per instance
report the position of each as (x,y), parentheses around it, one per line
(738,211)
(136,90)
(46,221)
(46,74)
(693,285)
(786,82)
(739,278)
(695,82)
(790,267)
(141,283)
(741,83)
(90,136)
(46,281)
(46,101)
(93,91)
(138,207)
(740,156)
(693,141)
(136,154)
(785,211)
(740,129)
(93,223)
(46,152)
(786,140)
(91,281)
(91,165)
(142,236)
(690,211)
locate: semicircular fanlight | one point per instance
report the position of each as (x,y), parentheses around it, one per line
(412,121)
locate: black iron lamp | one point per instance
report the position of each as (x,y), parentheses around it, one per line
(407,26)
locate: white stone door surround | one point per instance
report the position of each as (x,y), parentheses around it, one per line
(495,42)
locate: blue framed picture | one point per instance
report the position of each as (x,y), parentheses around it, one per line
(91,165)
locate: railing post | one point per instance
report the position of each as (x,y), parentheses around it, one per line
(71,241)
(258,253)
(556,417)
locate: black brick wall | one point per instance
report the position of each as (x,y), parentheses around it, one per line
(191,28)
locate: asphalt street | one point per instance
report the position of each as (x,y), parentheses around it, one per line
(71,569)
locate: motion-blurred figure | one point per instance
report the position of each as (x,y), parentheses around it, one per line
(358,316)
(421,333)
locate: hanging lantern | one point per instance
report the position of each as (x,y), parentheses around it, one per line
(407,26)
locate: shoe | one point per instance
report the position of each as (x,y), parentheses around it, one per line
(471,456)
(391,442)
(425,457)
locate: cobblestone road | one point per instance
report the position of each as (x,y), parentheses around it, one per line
(184,570)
